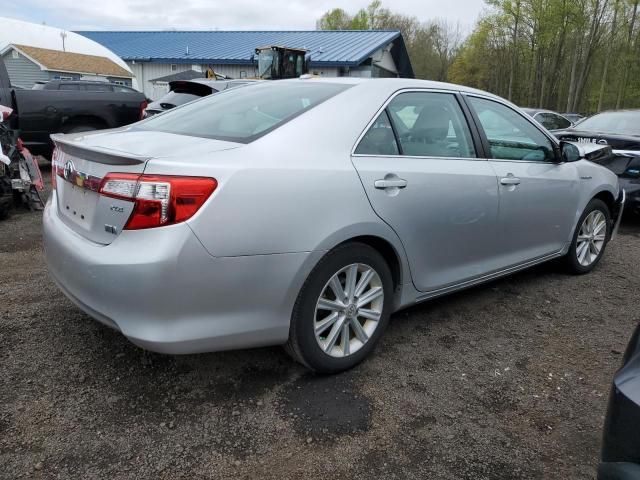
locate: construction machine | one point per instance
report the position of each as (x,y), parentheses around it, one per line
(277,62)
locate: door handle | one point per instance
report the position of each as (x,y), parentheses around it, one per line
(390,183)
(510,180)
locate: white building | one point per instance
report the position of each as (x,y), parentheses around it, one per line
(42,37)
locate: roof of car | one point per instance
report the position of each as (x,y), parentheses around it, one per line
(84,82)
(398,83)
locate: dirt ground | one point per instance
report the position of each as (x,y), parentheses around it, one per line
(505,381)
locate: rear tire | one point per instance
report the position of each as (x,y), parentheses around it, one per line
(590,238)
(331,332)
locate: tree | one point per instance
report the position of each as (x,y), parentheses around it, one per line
(578,55)
(336,19)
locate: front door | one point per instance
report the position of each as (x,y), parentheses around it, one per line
(419,167)
(538,194)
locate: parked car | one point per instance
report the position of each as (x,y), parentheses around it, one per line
(549,120)
(620,129)
(620,446)
(304,212)
(184,91)
(573,117)
(83,86)
(47,111)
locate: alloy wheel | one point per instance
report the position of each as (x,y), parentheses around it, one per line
(591,238)
(348,310)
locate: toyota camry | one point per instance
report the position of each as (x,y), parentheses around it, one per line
(304,212)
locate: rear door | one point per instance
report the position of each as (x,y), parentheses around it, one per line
(538,194)
(420,167)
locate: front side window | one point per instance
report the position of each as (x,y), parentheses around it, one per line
(244,114)
(510,135)
(431,124)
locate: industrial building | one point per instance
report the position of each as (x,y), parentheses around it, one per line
(154,55)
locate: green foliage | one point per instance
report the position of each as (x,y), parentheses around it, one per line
(578,55)
(431,45)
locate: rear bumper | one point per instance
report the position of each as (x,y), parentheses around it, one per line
(164,292)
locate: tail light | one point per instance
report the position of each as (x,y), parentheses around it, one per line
(143,106)
(159,199)
(56,166)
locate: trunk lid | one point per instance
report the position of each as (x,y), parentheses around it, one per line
(83,160)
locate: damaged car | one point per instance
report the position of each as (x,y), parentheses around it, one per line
(619,129)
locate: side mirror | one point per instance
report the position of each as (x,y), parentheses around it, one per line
(572,152)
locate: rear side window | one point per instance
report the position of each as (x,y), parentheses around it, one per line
(122,89)
(244,114)
(98,87)
(431,124)
(426,124)
(379,139)
(69,86)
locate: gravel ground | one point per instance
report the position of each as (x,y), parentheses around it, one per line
(508,380)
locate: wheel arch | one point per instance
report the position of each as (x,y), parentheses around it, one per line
(388,252)
(384,240)
(603,193)
(607,197)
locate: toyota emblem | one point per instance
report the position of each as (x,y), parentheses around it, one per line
(69,168)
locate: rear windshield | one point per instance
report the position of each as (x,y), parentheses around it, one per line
(244,114)
(621,123)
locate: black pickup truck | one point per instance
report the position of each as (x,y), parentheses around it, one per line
(43,112)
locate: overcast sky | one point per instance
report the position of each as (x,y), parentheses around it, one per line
(219,14)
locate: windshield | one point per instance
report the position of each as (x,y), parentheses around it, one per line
(616,123)
(266,59)
(244,114)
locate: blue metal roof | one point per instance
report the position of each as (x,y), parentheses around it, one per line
(326,47)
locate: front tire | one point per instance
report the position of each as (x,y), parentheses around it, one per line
(342,309)
(590,238)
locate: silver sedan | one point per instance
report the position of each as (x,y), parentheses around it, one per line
(304,212)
